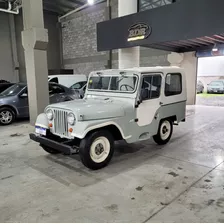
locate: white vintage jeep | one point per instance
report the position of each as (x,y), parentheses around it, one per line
(131,105)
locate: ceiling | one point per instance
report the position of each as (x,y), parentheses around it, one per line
(151,4)
(60,7)
(200,43)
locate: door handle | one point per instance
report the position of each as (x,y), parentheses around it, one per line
(160,103)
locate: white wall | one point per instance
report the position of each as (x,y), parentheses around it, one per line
(211,66)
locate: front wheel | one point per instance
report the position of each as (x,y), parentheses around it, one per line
(164,132)
(7,116)
(96,149)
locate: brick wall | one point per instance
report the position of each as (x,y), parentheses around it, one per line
(80,42)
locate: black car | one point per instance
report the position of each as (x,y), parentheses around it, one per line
(4,86)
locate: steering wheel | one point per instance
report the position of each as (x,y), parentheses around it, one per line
(126,87)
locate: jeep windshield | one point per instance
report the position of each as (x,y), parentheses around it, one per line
(114,83)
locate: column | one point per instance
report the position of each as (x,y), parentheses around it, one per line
(35,40)
(187,61)
(129,57)
(14,48)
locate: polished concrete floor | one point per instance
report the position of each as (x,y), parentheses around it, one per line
(180,182)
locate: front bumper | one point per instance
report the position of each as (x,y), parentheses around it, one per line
(61,147)
(215,91)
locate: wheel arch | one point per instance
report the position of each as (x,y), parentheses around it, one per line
(171,118)
(10,107)
(114,129)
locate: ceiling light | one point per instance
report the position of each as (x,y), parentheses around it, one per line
(215,48)
(90,2)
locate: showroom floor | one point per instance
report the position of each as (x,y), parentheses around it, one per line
(210,99)
(180,182)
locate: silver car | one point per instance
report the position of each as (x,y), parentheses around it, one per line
(14,100)
(200,87)
(216,87)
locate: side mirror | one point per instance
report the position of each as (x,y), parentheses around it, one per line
(24,95)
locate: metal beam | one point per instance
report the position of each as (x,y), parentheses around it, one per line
(215,39)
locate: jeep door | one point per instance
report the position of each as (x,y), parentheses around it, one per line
(150,97)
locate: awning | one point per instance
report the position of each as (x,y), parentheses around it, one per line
(187,25)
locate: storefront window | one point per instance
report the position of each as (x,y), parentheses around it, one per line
(151,4)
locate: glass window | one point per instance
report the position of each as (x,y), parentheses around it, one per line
(78,85)
(123,84)
(55,89)
(55,80)
(99,83)
(173,84)
(151,86)
(13,90)
(151,4)
(216,83)
(115,83)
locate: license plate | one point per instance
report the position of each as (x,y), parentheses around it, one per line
(215,90)
(41,131)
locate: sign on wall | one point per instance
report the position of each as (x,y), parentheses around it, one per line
(139,31)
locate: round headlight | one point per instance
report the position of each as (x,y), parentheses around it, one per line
(71,119)
(49,114)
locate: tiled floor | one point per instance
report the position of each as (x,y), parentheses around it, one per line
(180,182)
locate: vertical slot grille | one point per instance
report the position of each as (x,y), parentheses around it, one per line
(60,123)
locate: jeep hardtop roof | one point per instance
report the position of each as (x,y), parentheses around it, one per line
(158,69)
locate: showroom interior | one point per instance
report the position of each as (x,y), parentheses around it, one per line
(181,181)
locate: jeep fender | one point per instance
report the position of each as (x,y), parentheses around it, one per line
(42,121)
(86,129)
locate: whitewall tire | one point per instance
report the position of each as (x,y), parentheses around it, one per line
(97,149)
(164,133)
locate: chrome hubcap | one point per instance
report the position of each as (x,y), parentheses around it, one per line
(6,117)
(100,149)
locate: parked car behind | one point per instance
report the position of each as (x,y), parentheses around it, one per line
(67,80)
(14,100)
(4,86)
(216,87)
(80,87)
(200,87)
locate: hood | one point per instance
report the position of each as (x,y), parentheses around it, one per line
(6,98)
(93,109)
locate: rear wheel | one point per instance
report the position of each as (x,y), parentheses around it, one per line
(49,150)
(7,116)
(97,149)
(164,132)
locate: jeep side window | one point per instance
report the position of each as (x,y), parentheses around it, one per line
(152,85)
(173,84)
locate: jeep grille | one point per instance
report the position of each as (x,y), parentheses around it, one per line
(60,123)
